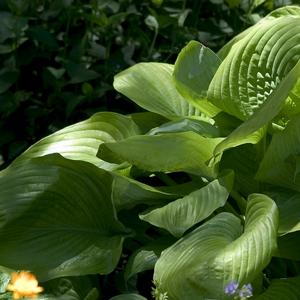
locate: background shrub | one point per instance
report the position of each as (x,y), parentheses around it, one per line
(58,57)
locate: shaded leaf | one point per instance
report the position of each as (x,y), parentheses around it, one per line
(289,246)
(61,209)
(194,69)
(127,193)
(279,165)
(128,297)
(283,289)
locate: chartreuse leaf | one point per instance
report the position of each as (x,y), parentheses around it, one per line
(279,165)
(200,264)
(184,151)
(128,297)
(255,67)
(194,69)
(253,130)
(151,86)
(59,209)
(181,214)
(277,13)
(283,289)
(81,141)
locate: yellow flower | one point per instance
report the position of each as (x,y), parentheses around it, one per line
(24,284)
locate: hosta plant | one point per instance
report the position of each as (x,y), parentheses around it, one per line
(196,198)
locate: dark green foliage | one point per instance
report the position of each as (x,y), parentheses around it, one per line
(58,58)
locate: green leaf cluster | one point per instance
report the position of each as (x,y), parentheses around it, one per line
(199,191)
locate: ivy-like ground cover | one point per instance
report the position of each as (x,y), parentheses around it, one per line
(203,188)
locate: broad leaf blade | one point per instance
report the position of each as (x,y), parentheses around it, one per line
(252,130)
(201,263)
(56,208)
(150,85)
(255,66)
(181,214)
(81,141)
(176,271)
(185,151)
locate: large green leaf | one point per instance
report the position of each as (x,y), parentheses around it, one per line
(81,141)
(194,69)
(180,215)
(283,289)
(151,86)
(184,151)
(279,165)
(57,218)
(252,130)
(255,66)
(200,264)
(277,13)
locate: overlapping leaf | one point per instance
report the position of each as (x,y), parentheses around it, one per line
(255,66)
(151,86)
(57,218)
(182,214)
(127,193)
(81,141)
(201,263)
(184,151)
(194,69)
(253,129)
